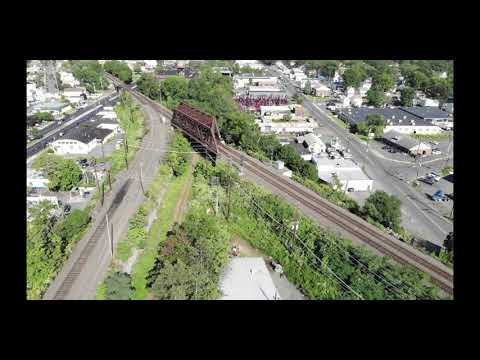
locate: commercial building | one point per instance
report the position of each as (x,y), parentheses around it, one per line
(406,143)
(303,151)
(313,143)
(81,140)
(247,278)
(75,95)
(344,172)
(398,119)
(287,126)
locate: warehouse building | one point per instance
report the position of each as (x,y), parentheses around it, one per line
(344,171)
(398,119)
(406,143)
(81,140)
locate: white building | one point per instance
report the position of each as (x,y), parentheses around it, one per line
(254,64)
(313,143)
(74,95)
(81,141)
(282,169)
(36,180)
(428,102)
(287,126)
(68,79)
(320,89)
(348,173)
(247,278)
(150,65)
(356,101)
(116,128)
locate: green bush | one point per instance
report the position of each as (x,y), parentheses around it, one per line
(118,286)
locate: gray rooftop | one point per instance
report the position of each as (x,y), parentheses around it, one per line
(426,112)
(301,149)
(355,116)
(404,140)
(86,134)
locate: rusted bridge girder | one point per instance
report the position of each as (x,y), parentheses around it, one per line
(199,126)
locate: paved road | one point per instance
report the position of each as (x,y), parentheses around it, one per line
(95,269)
(419,217)
(51,132)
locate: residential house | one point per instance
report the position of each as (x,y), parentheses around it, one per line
(68,79)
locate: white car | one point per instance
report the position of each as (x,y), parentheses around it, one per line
(436,152)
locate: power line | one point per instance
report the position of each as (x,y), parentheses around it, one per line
(380,277)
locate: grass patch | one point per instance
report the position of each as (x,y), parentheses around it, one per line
(434,137)
(134,126)
(157,234)
(101,292)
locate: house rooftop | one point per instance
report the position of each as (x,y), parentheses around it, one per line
(404,140)
(301,149)
(396,116)
(86,134)
(426,112)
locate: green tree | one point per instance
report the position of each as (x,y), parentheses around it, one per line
(308,88)
(149,86)
(44,116)
(354,76)
(383,208)
(90,74)
(119,69)
(180,153)
(384,81)
(64,175)
(376,97)
(119,287)
(407,96)
(174,90)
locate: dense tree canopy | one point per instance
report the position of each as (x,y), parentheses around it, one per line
(119,69)
(384,208)
(407,96)
(90,74)
(354,76)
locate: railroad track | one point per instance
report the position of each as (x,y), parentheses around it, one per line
(349,222)
(364,232)
(79,264)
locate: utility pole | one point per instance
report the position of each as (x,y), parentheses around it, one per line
(125,148)
(96,177)
(109,180)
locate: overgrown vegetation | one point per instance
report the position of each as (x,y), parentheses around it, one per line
(119,69)
(50,241)
(90,74)
(132,121)
(63,174)
(265,221)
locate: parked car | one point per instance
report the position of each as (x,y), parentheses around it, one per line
(434,142)
(436,152)
(428,180)
(351,189)
(434,175)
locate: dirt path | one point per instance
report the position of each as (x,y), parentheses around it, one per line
(183,201)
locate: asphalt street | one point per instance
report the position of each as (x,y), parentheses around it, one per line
(51,132)
(419,217)
(96,267)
